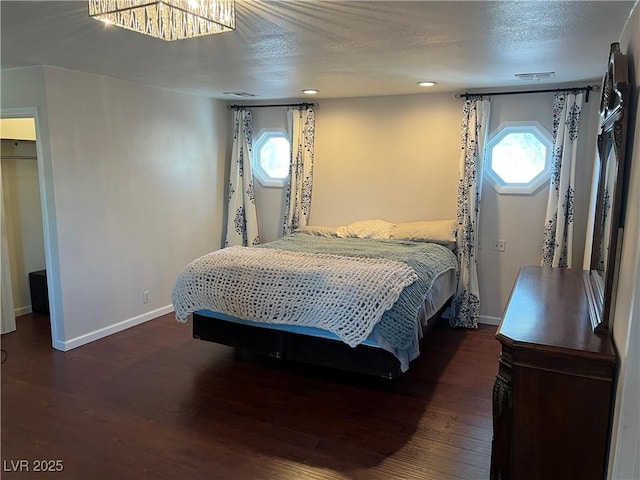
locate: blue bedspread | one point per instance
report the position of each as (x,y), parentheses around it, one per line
(428,260)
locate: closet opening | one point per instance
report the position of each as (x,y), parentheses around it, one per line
(24,290)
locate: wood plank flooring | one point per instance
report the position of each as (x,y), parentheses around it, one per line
(153,403)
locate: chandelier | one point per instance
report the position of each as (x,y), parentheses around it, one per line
(167,19)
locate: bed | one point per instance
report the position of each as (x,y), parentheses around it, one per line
(357,298)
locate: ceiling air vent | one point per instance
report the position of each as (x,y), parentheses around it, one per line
(239,94)
(536,76)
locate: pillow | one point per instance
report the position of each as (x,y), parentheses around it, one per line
(318,230)
(378,229)
(440,231)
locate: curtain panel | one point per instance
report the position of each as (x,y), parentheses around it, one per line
(242,220)
(8,318)
(302,126)
(475,125)
(558,227)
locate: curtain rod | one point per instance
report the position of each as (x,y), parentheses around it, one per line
(587,89)
(305,105)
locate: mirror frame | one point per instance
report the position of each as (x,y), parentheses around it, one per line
(601,280)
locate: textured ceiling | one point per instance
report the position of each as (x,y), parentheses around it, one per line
(343,49)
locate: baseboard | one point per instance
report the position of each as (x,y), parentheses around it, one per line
(111,329)
(488,320)
(17,312)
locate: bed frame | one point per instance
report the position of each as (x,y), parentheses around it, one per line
(302,348)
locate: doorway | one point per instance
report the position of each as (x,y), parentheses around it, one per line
(22,233)
(31,255)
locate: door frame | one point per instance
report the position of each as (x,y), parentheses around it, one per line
(48,227)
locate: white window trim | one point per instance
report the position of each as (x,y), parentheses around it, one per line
(539,180)
(259,173)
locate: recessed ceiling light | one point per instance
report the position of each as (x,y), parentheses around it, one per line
(309,91)
(427,84)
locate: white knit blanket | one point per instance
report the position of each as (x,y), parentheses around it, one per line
(344,295)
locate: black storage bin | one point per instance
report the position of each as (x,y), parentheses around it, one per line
(39,293)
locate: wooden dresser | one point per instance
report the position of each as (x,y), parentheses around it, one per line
(553,391)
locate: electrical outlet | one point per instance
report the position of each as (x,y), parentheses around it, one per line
(145,296)
(499,245)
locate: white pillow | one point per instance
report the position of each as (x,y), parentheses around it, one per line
(318,230)
(440,231)
(378,229)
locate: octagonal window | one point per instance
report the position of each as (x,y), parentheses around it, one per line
(519,157)
(271,158)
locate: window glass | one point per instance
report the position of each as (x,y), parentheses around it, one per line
(274,157)
(519,158)
(271,158)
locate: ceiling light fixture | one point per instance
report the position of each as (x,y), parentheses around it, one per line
(309,91)
(427,84)
(167,19)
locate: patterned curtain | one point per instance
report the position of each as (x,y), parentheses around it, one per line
(302,125)
(558,227)
(475,124)
(242,221)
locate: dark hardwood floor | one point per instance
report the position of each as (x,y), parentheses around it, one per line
(151,402)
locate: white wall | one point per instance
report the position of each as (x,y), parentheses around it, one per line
(23,94)
(23,215)
(394,158)
(624,460)
(519,219)
(397,158)
(381,157)
(136,180)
